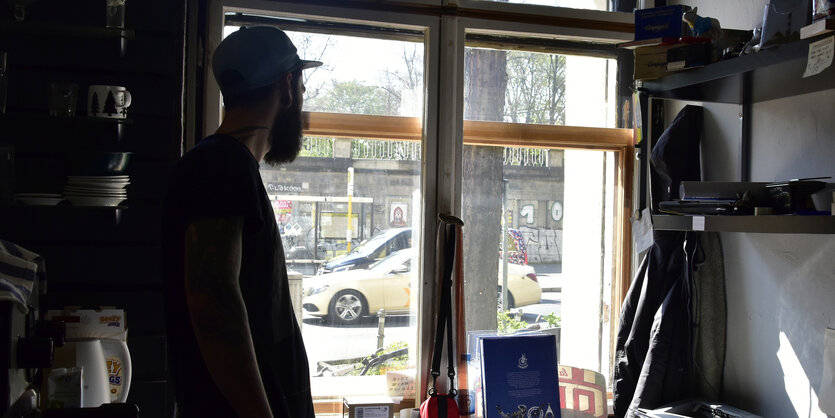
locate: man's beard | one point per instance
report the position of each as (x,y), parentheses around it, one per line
(285,137)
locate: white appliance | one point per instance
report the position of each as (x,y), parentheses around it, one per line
(96,343)
(105,369)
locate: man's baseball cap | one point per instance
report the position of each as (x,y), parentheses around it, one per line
(254,57)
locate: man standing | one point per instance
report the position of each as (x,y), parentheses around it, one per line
(233,343)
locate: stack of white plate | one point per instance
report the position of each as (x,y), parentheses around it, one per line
(96,190)
(41,199)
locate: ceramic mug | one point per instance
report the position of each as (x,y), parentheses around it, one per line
(108,101)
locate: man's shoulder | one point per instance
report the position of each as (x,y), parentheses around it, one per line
(218,152)
(223,145)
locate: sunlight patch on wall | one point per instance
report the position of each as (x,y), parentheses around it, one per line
(798,388)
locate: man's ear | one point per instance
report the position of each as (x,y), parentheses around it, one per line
(285,91)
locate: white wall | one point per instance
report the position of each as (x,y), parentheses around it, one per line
(780,287)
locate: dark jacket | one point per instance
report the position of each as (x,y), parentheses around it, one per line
(654,345)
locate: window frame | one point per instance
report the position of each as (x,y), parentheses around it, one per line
(442,130)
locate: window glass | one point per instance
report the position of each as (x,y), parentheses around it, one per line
(347,209)
(538,88)
(553,209)
(572,4)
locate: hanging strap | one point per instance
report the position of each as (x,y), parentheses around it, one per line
(445,313)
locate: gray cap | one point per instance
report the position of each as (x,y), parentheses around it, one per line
(254,57)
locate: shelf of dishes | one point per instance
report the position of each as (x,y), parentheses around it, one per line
(107,191)
(66,223)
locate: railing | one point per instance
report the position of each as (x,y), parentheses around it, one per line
(317,147)
(528,157)
(410,151)
(386,150)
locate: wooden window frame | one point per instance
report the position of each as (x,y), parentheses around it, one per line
(500,134)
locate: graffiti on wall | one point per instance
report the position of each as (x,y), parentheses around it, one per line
(544,245)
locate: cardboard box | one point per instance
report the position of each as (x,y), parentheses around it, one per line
(519,376)
(660,22)
(653,62)
(105,322)
(367,407)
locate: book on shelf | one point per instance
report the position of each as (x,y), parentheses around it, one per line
(819,27)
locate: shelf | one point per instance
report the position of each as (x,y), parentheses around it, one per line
(68,223)
(41,119)
(55,29)
(32,117)
(772,73)
(772,224)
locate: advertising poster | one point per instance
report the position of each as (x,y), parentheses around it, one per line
(397,215)
(519,376)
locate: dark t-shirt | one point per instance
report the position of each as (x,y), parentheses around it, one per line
(220,178)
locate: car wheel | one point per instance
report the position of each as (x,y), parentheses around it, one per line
(510,302)
(347,307)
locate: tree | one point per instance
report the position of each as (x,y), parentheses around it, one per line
(312,47)
(94,104)
(535,88)
(484,89)
(356,98)
(110,104)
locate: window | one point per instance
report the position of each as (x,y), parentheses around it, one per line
(575,4)
(559,203)
(510,125)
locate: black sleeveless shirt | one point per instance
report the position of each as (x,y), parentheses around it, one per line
(220,178)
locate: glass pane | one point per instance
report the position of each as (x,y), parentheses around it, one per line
(348,209)
(571,4)
(363,76)
(539,88)
(552,209)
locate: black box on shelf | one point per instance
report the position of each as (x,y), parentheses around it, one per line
(793,196)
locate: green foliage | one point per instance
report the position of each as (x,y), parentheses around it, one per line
(356,98)
(317,147)
(535,88)
(552,319)
(507,323)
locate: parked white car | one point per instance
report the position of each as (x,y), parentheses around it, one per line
(346,296)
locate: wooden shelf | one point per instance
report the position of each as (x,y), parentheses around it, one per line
(771,224)
(55,29)
(769,74)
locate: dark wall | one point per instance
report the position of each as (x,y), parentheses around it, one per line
(98,256)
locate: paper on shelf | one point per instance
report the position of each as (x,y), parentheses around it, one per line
(642,231)
(820,56)
(698,223)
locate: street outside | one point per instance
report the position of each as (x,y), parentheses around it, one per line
(326,342)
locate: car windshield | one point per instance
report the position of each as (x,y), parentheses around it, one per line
(372,244)
(391,262)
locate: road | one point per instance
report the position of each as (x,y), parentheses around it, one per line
(325,342)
